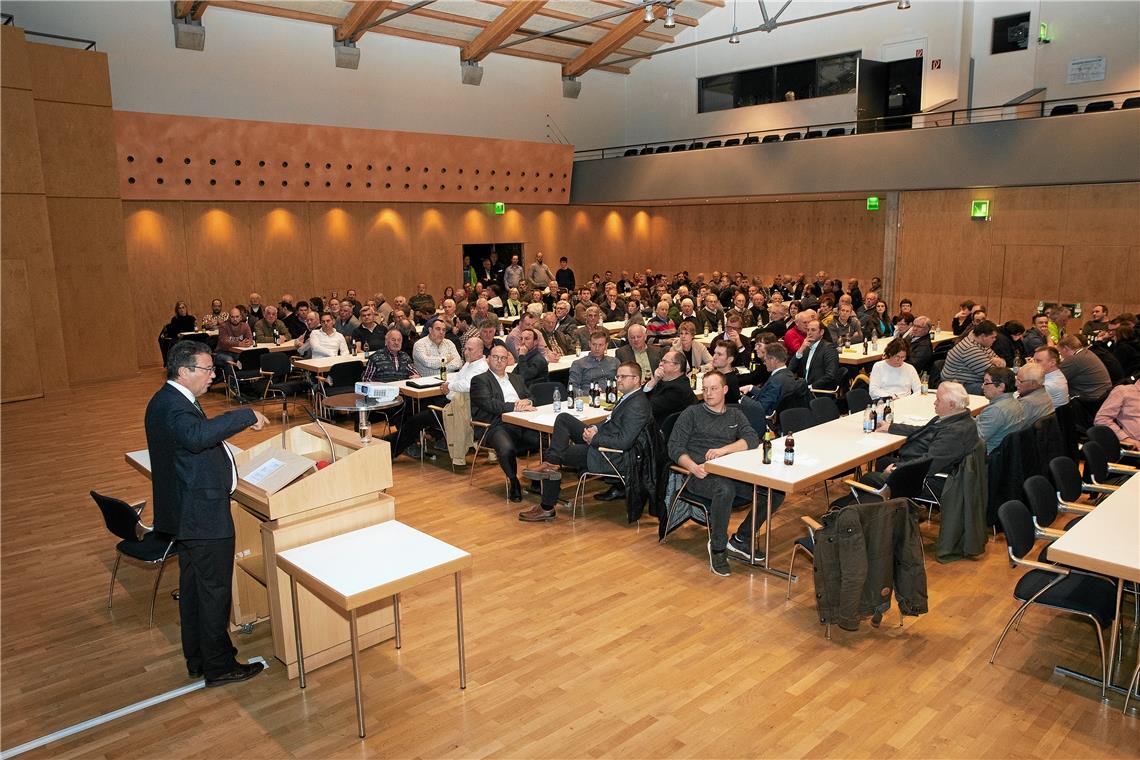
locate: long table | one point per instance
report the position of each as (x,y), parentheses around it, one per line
(855,355)
(285,345)
(822,452)
(1106,541)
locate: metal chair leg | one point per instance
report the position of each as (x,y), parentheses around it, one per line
(154,591)
(791,565)
(114,572)
(1009,624)
(1132,685)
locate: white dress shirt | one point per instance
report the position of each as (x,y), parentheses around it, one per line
(427,356)
(509,392)
(320,344)
(460,382)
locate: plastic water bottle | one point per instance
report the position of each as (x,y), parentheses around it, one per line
(557,400)
(789,449)
(868,421)
(924,383)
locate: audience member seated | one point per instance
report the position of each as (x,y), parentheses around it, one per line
(1035,401)
(232,333)
(794,338)
(1097,324)
(297,321)
(270,329)
(575,445)
(612,305)
(182,321)
(532,366)
(1085,374)
(346,323)
(594,367)
(322,342)
(946,440)
(781,382)
(710,316)
(777,318)
(1037,335)
(528,321)
(710,430)
(845,329)
(724,362)
(877,321)
(1121,412)
(964,319)
(969,359)
(740,308)
(668,389)
(639,351)
(434,350)
(1005,413)
(492,394)
(660,326)
(558,343)
(1049,359)
(733,333)
(1008,345)
(369,335)
(215,317)
(390,362)
(696,353)
(488,334)
(817,360)
(893,376)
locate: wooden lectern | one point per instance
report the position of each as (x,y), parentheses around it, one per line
(344,496)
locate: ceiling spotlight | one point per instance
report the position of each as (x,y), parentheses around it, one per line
(669,20)
(649,16)
(904,5)
(735,38)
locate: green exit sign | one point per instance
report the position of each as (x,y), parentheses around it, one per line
(873,203)
(980,210)
(500,208)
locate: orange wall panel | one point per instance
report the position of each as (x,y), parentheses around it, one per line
(21,376)
(70,75)
(20,168)
(77,150)
(15,70)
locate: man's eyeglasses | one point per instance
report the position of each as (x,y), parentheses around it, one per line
(987,382)
(631,377)
(211,370)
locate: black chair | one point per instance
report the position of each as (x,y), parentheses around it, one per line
(543,393)
(1067,479)
(1097,470)
(858,399)
(1053,586)
(757,420)
(836,132)
(905,481)
(1113,451)
(275,367)
(1099,105)
(662,149)
(341,378)
(1063,109)
(732,142)
(697,146)
(1046,508)
(751,140)
(825,409)
(646,152)
(770,139)
(139,542)
(936,372)
(792,136)
(714,144)
(1133,102)
(813,134)
(679,148)
(805,544)
(796,419)
(631,152)
(247,373)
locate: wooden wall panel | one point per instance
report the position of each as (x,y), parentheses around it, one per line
(1104,214)
(219,258)
(20,148)
(77,146)
(70,75)
(1029,215)
(15,69)
(90,263)
(156,261)
(25,236)
(1031,273)
(19,353)
(280,254)
(387,253)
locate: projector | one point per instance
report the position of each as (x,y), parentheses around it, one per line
(378,391)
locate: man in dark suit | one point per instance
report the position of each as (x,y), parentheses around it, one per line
(574,445)
(817,360)
(193,475)
(921,349)
(668,390)
(947,439)
(493,393)
(532,366)
(639,351)
(780,385)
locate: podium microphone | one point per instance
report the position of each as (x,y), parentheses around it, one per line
(313,416)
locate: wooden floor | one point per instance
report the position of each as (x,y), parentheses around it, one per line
(584,639)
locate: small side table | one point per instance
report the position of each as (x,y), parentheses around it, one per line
(354,402)
(356,569)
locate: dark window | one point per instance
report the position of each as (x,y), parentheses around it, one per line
(796,80)
(1010,33)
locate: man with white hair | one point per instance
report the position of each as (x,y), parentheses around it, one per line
(946,440)
(1035,400)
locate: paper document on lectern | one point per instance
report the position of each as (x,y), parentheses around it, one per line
(272,470)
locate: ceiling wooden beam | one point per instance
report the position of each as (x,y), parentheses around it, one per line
(682,20)
(626,30)
(549,12)
(357,20)
(717,3)
(182,8)
(271,10)
(198,10)
(504,25)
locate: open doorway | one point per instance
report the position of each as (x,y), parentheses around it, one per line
(889,94)
(489,261)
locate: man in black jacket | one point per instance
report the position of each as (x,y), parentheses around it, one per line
(921,348)
(493,393)
(817,360)
(947,439)
(668,390)
(192,476)
(577,446)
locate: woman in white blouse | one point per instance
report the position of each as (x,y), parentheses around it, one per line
(892,376)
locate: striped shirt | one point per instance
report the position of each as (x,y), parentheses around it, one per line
(967,362)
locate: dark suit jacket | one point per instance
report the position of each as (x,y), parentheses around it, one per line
(670,396)
(653,351)
(533,367)
(946,441)
(921,354)
(487,404)
(620,431)
(779,385)
(191,470)
(824,372)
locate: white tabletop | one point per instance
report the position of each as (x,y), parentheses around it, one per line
(827,450)
(855,355)
(542,418)
(613,328)
(323,364)
(359,567)
(286,345)
(1107,540)
(564,363)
